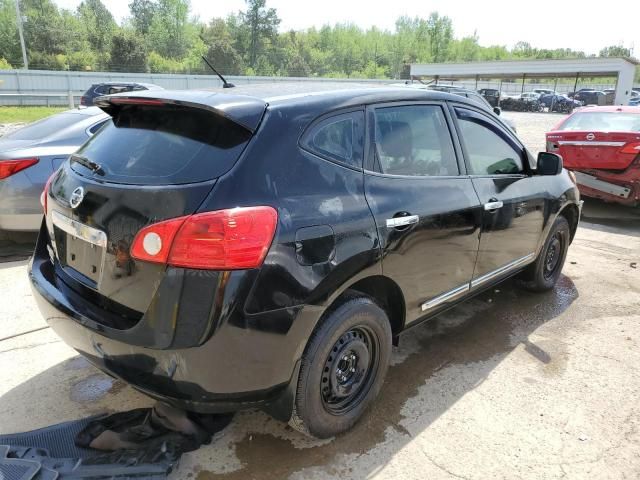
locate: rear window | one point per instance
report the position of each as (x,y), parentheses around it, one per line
(159,145)
(603,122)
(46,127)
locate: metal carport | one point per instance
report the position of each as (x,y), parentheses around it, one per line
(621,68)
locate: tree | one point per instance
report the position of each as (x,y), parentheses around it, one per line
(98,24)
(220,47)
(143,12)
(9,42)
(615,51)
(170,30)
(440,33)
(128,52)
(261,24)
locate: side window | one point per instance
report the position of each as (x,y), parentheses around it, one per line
(414,140)
(94,128)
(339,138)
(489,151)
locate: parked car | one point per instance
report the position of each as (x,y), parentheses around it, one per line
(246,250)
(108,88)
(491,95)
(559,103)
(635,101)
(30,155)
(525,102)
(592,97)
(602,146)
(545,91)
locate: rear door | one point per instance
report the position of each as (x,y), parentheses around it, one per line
(152,163)
(426,211)
(512,199)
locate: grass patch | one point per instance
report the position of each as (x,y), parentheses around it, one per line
(27,114)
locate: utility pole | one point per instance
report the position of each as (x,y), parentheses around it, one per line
(25,62)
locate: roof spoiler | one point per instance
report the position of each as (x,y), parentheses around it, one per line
(241,109)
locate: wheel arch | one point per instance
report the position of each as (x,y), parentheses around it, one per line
(572,214)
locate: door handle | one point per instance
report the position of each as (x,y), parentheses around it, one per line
(396,222)
(493,205)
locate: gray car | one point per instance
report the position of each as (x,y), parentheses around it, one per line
(31,154)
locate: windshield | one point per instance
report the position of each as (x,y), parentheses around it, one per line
(46,127)
(603,122)
(156,145)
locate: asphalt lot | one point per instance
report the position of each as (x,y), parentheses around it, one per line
(508,385)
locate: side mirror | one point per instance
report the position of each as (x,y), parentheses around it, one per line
(497,110)
(549,163)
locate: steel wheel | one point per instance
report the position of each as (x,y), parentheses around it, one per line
(553,255)
(349,370)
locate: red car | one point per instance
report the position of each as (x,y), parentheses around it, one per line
(601,145)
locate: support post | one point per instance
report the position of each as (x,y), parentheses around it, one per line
(575,85)
(25,61)
(71,103)
(523,77)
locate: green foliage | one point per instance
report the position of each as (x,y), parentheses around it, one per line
(128,52)
(4,65)
(161,36)
(27,114)
(615,51)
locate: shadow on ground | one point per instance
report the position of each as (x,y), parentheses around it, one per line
(16,245)
(476,336)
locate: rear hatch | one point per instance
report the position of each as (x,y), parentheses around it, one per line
(157,159)
(597,140)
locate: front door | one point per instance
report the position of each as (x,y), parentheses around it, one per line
(512,199)
(427,214)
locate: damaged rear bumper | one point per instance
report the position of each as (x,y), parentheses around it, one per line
(622,188)
(249,365)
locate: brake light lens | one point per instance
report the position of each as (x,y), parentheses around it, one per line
(11,167)
(135,101)
(232,239)
(44,196)
(632,148)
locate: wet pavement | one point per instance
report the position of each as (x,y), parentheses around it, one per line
(508,385)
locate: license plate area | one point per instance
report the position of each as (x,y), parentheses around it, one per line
(80,248)
(86,258)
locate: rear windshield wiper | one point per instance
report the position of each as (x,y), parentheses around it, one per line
(85,162)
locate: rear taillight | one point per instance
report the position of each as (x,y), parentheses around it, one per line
(632,148)
(232,239)
(83,100)
(552,146)
(45,193)
(11,167)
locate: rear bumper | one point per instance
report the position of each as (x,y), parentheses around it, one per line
(248,365)
(611,187)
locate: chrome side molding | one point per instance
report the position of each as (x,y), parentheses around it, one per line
(445,297)
(502,270)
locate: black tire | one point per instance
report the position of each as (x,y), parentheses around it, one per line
(543,274)
(343,368)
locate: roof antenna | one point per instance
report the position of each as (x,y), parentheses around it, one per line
(225,84)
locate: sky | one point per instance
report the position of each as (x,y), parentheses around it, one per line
(543,23)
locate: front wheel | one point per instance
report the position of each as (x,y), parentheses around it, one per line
(343,368)
(544,272)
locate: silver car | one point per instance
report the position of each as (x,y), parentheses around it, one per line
(31,154)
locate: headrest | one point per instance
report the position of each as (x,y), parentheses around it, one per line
(395,139)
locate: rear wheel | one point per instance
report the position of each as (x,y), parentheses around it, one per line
(544,272)
(343,368)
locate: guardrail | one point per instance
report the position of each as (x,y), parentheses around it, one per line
(48,99)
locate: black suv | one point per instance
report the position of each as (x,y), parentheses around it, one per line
(258,249)
(99,89)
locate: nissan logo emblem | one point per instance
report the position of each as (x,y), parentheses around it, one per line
(76,197)
(590,136)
